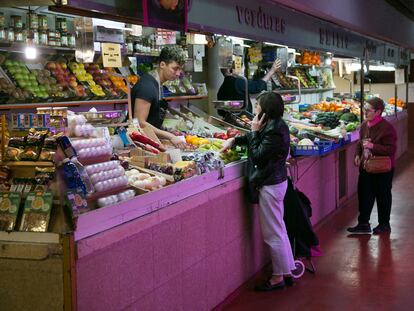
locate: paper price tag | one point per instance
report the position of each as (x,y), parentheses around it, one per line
(111,55)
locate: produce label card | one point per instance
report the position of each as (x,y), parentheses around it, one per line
(35,66)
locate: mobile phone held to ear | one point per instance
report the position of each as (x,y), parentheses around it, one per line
(259,116)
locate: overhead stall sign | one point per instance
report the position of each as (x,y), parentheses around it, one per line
(260,19)
(269,22)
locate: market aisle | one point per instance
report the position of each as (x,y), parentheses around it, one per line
(355,273)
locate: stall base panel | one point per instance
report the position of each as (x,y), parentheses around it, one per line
(195,254)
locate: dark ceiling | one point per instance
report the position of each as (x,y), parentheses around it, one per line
(405,7)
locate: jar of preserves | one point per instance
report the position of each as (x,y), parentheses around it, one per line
(71,40)
(64,39)
(138,47)
(10,34)
(33,20)
(18,35)
(36,39)
(57,38)
(42,22)
(61,24)
(16,21)
(2,33)
(51,37)
(130,44)
(51,41)
(43,39)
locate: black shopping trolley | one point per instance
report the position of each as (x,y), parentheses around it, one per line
(302,238)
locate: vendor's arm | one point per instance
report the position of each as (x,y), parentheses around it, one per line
(276,65)
(257,86)
(142,108)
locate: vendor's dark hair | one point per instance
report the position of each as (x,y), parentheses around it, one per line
(272,104)
(172,53)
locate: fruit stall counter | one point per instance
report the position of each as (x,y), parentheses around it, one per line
(198,239)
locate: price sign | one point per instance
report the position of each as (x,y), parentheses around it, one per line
(111,55)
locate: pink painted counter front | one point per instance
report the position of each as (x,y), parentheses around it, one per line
(190,245)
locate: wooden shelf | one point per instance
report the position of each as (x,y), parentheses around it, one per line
(188,97)
(29,237)
(28,163)
(144,55)
(303,91)
(19,47)
(62,104)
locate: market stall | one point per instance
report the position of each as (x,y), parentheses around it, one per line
(114,222)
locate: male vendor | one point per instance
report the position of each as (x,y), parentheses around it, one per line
(148,106)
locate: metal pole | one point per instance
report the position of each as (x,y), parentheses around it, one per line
(396,97)
(361,98)
(407,68)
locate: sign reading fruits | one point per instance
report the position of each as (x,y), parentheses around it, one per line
(111,55)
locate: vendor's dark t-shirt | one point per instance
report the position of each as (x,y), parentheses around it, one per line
(147,89)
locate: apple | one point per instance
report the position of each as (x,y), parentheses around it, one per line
(51,65)
(73,84)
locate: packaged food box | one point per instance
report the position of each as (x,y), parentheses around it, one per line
(9,208)
(77,200)
(36,214)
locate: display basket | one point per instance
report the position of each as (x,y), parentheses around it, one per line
(324,146)
(305,150)
(235,119)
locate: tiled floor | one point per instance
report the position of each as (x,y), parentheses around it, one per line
(355,273)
